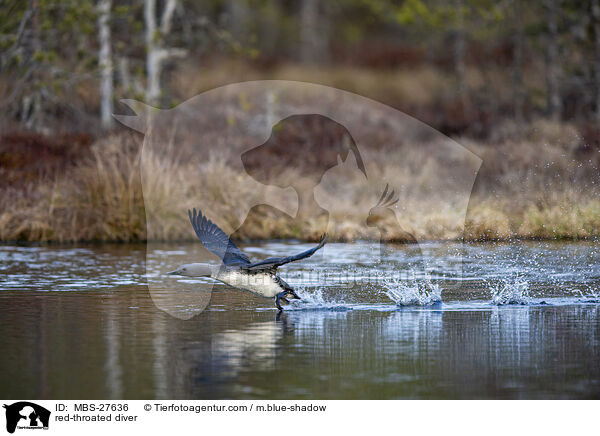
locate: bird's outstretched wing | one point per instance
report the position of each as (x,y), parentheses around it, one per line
(216,241)
(274,262)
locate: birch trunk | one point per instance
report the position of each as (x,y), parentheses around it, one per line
(105,63)
(313,40)
(156,53)
(152,67)
(552,66)
(596,25)
(518,42)
(238,13)
(459,50)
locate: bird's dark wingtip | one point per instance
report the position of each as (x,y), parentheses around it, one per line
(195,215)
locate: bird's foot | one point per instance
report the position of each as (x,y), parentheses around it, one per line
(281,297)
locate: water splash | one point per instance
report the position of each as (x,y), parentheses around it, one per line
(510,291)
(315,297)
(589,296)
(315,300)
(413,292)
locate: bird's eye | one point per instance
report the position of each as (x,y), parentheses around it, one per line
(182,269)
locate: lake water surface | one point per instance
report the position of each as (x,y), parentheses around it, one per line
(514,320)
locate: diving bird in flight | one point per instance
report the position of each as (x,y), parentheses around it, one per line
(236,269)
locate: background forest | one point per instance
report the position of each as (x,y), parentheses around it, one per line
(518,83)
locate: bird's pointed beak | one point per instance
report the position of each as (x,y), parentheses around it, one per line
(173,273)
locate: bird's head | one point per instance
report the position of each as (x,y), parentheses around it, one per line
(193,270)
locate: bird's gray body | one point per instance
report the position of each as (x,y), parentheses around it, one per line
(236,270)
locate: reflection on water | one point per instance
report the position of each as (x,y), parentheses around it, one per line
(100,335)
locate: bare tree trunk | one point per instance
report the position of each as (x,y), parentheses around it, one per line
(128,84)
(313,40)
(238,11)
(459,49)
(31,106)
(156,53)
(552,65)
(105,63)
(270,27)
(152,61)
(596,26)
(518,41)
(124,76)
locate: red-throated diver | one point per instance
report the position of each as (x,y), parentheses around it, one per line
(236,270)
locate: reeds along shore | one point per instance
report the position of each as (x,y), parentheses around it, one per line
(538,181)
(516,83)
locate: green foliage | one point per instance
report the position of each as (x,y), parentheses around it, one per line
(58,41)
(46,47)
(411,11)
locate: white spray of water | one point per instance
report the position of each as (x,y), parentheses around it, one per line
(510,291)
(316,300)
(592,294)
(315,297)
(412,292)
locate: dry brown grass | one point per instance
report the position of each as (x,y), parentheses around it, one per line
(98,198)
(525,190)
(538,180)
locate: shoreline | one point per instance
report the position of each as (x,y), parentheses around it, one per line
(55,243)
